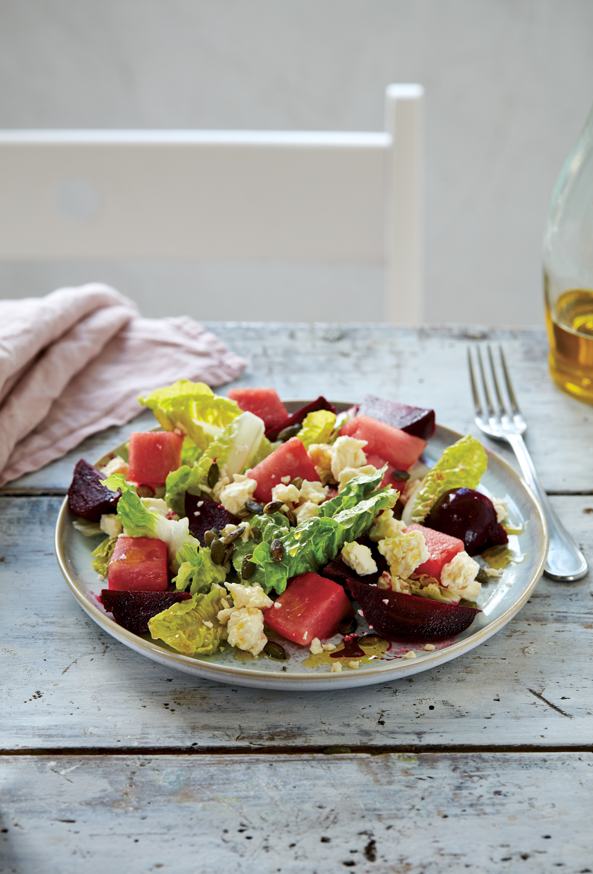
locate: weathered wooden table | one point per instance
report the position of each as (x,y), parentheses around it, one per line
(483,764)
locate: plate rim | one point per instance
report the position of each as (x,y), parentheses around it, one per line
(392,670)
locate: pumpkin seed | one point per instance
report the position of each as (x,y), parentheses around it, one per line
(248,568)
(277,550)
(254,507)
(213,475)
(348,626)
(482,576)
(297,482)
(370,640)
(228,553)
(209,536)
(233,535)
(217,551)
(292,517)
(289,432)
(145,491)
(400,476)
(275,651)
(272,507)
(256,533)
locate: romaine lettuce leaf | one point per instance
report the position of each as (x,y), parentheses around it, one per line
(191,627)
(317,427)
(102,555)
(193,408)
(461,466)
(139,521)
(317,541)
(197,570)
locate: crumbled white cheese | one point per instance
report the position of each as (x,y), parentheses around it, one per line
(336,668)
(459,576)
(404,552)
(350,472)
(353,665)
(306,511)
(328,647)
(116,465)
(285,480)
(244,527)
(316,647)
(321,456)
(234,495)
(283,492)
(314,492)
(386,526)
(410,655)
(347,452)
(110,525)
(501,508)
(359,557)
(249,596)
(246,630)
(207,624)
(156,504)
(223,616)
(493,572)
(429,647)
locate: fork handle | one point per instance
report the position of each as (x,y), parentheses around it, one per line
(565,560)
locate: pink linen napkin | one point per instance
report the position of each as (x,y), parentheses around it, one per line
(76,361)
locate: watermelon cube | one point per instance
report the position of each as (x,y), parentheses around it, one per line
(289,459)
(262,402)
(414,420)
(138,564)
(442,548)
(153,455)
(311,606)
(398,448)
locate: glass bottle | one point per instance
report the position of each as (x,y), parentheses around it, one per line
(568,271)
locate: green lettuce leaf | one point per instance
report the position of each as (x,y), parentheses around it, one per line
(183,626)
(317,541)
(317,427)
(139,520)
(461,466)
(190,452)
(197,570)
(193,408)
(102,555)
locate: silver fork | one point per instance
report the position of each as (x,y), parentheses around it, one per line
(504,421)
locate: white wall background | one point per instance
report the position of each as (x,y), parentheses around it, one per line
(508,86)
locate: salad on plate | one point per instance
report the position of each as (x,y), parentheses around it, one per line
(241,526)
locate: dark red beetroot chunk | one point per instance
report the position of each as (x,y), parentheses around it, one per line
(300,416)
(209,515)
(87,497)
(409,617)
(470,516)
(414,420)
(132,610)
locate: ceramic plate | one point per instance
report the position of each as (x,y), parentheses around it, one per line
(499,601)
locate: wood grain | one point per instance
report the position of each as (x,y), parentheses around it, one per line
(420,366)
(66,683)
(425,814)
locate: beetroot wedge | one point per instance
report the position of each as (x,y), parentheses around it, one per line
(413,420)
(409,617)
(300,416)
(87,496)
(206,516)
(132,610)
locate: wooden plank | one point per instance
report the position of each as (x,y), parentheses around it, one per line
(402,813)
(66,683)
(424,367)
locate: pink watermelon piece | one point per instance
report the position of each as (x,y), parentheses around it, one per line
(138,564)
(397,447)
(289,459)
(312,606)
(442,547)
(262,402)
(153,455)
(414,420)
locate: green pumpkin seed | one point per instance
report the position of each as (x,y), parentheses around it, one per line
(289,432)
(217,551)
(272,507)
(233,535)
(254,507)
(256,533)
(228,553)
(370,640)
(482,576)
(400,476)
(145,491)
(209,536)
(213,475)
(275,651)
(297,482)
(248,568)
(292,517)
(348,626)
(277,550)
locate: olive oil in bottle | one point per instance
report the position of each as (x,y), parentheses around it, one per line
(568,272)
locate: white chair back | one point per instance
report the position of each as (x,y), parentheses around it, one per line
(223,195)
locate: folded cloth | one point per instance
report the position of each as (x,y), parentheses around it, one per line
(76,361)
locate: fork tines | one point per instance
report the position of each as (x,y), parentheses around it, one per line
(507,401)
